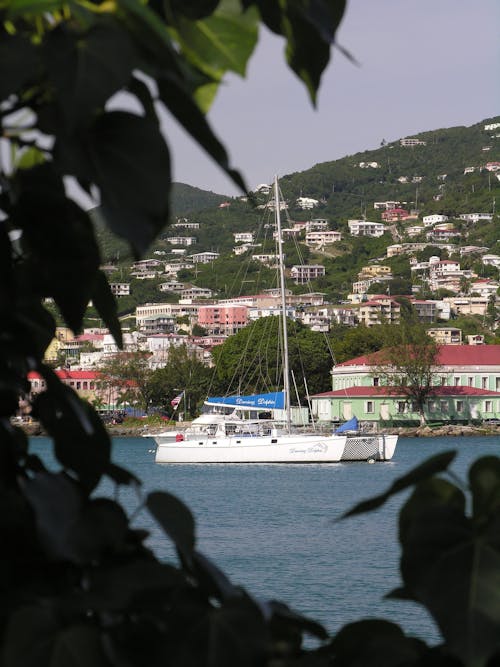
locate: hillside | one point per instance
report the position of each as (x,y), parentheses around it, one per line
(445,172)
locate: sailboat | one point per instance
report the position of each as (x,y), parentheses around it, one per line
(235,437)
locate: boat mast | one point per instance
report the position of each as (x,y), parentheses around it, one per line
(281,265)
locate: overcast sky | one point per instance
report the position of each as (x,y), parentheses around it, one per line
(423,65)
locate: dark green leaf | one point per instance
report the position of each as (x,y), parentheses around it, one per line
(223,41)
(283,613)
(18,63)
(120,586)
(81,442)
(29,636)
(210,578)
(57,502)
(376,643)
(100,531)
(484,479)
(121,476)
(79,645)
(450,564)
(87,68)
(431,466)
(104,302)
(131,166)
(175,519)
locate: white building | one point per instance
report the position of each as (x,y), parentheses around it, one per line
(323,238)
(475,217)
(410,141)
(204,257)
(182,240)
(120,289)
(306,202)
(429,220)
(243,237)
(365,228)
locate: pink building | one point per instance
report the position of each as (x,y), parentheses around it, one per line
(224,319)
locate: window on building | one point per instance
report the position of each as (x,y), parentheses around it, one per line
(433,406)
(78,385)
(376,382)
(370,407)
(456,382)
(443,405)
(443,381)
(484,383)
(401,407)
(488,406)
(470,382)
(460,406)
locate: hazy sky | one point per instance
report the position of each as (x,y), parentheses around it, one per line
(424,64)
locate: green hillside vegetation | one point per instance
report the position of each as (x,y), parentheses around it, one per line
(345,190)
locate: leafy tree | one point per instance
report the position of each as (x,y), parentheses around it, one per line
(126,375)
(409,365)
(251,360)
(182,372)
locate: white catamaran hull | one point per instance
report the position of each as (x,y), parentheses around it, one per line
(271,449)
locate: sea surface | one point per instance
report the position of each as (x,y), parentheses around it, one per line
(272,528)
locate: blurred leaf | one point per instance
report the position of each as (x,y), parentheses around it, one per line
(210,578)
(376,643)
(29,636)
(175,519)
(79,645)
(81,442)
(223,41)
(451,565)
(432,466)
(104,302)
(100,531)
(279,611)
(120,586)
(19,62)
(309,28)
(87,68)
(484,480)
(121,476)
(56,501)
(131,166)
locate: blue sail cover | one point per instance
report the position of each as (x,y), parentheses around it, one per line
(274,400)
(351,425)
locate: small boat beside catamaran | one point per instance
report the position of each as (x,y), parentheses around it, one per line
(237,429)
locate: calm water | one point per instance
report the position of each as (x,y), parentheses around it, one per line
(271,527)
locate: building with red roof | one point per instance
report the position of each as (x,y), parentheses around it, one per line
(467,388)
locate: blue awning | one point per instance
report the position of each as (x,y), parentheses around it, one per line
(274,400)
(351,425)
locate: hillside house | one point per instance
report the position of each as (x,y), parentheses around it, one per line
(435,218)
(223,319)
(411,141)
(382,310)
(322,238)
(365,228)
(204,257)
(306,203)
(476,217)
(395,214)
(304,273)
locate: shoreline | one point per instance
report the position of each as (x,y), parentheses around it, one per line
(453,430)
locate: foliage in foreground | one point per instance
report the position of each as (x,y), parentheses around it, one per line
(79,584)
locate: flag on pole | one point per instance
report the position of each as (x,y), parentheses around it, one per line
(175,401)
